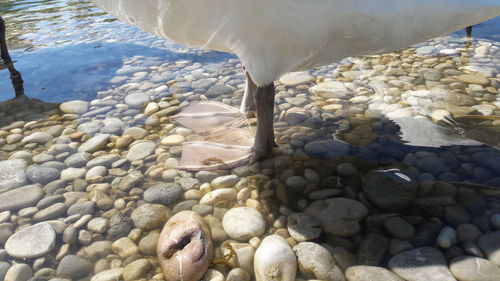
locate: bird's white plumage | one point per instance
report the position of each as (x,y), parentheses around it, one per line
(273,37)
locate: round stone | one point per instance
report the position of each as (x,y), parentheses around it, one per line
(243,223)
(74,267)
(141,150)
(32,242)
(303,227)
(163,193)
(137,100)
(136,270)
(74,107)
(19,272)
(172,140)
(150,216)
(273,258)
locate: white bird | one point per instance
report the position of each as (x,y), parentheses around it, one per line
(274,37)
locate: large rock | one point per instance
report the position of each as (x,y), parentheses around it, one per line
(32,242)
(390,189)
(474,268)
(243,223)
(421,264)
(303,227)
(316,262)
(275,260)
(12,174)
(22,197)
(185,247)
(338,216)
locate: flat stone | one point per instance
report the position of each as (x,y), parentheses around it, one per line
(22,197)
(148,243)
(243,223)
(82,208)
(372,249)
(105,160)
(74,107)
(296,78)
(421,264)
(95,143)
(52,212)
(74,267)
(141,150)
(224,181)
(124,247)
(38,137)
(71,174)
(474,268)
(163,193)
(136,270)
(369,273)
(136,132)
(31,242)
(185,247)
(222,194)
(12,174)
(303,227)
(338,216)
(399,228)
(203,83)
(330,89)
(474,79)
(172,140)
(218,90)
(42,174)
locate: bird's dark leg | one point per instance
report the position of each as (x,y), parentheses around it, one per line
(248,103)
(264,138)
(468,30)
(15,76)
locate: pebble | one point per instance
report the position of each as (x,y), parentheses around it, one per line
(141,150)
(473,268)
(172,140)
(137,100)
(74,107)
(185,247)
(54,211)
(22,197)
(124,247)
(42,174)
(315,261)
(31,242)
(389,189)
(421,264)
(74,267)
(224,181)
(468,232)
(19,272)
(95,143)
(303,227)
(98,225)
(275,260)
(243,223)
(338,216)
(447,237)
(108,275)
(372,249)
(147,245)
(489,244)
(150,216)
(370,273)
(136,270)
(12,174)
(296,78)
(82,208)
(399,228)
(238,274)
(38,137)
(163,193)
(222,194)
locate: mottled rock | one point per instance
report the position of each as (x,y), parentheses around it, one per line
(150,216)
(141,150)
(163,193)
(74,267)
(185,247)
(42,174)
(303,227)
(95,143)
(136,270)
(12,174)
(338,216)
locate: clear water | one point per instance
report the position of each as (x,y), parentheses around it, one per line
(71,50)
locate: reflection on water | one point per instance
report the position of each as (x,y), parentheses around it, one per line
(101,159)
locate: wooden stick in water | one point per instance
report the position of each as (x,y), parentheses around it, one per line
(15,76)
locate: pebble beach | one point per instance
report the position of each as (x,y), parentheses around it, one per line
(387,168)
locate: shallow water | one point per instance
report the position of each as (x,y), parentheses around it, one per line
(430,110)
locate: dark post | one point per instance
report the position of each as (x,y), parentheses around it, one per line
(15,76)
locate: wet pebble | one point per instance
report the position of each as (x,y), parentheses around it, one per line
(31,242)
(243,223)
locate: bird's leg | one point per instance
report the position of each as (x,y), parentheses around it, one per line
(264,138)
(248,103)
